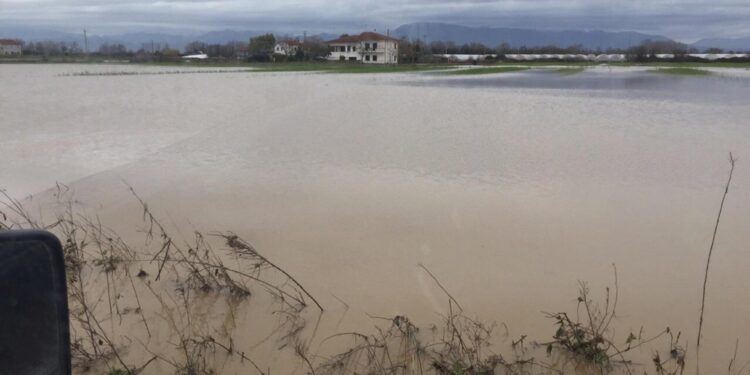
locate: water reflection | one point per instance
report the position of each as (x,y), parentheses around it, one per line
(619,83)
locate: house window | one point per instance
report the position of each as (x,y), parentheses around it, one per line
(354,48)
(367,57)
(343,49)
(374,46)
(367,46)
(374,57)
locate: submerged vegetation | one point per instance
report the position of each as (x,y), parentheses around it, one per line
(270,68)
(179,305)
(562,68)
(165,72)
(364,68)
(569,71)
(170,301)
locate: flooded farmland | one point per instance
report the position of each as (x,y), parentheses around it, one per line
(509,188)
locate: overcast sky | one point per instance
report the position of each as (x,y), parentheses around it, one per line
(685,20)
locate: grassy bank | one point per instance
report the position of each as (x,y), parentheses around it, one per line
(362,68)
(529,64)
(674,64)
(167,72)
(345,67)
(180,68)
(561,67)
(683,71)
(485,70)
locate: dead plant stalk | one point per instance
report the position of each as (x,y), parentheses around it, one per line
(732,161)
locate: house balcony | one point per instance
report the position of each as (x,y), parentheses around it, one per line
(374,50)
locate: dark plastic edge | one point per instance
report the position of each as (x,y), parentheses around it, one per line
(58,267)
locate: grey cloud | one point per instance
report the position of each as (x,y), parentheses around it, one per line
(681,19)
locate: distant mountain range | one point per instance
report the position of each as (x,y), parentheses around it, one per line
(727,44)
(489,36)
(133,41)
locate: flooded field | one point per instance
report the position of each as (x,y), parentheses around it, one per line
(509,188)
(725,85)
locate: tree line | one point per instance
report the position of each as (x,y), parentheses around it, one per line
(420,51)
(261,48)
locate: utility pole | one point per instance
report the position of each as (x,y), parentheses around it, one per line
(305,49)
(85,44)
(416,46)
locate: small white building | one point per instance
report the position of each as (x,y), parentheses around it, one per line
(368,48)
(10,47)
(196,56)
(287,48)
(567,57)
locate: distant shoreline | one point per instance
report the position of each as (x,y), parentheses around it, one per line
(312,65)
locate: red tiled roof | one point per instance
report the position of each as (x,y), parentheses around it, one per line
(361,38)
(9,42)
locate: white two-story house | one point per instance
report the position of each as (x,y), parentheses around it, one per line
(10,47)
(368,48)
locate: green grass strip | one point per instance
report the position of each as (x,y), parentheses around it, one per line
(487,70)
(682,71)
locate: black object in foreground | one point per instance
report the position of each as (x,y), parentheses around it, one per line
(34,331)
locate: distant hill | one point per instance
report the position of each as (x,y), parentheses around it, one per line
(493,37)
(727,44)
(137,40)
(489,36)
(327,36)
(133,41)
(36,34)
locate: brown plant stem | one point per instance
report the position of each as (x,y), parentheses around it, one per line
(732,161)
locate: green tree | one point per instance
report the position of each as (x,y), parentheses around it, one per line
(315,48)
(261,47)
(195,47)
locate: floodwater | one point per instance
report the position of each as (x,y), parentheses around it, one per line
(510,188)
(614,82)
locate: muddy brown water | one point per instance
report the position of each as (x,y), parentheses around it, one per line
(509,193)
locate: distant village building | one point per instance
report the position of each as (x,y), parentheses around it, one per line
(567,57)
(196,56)
(10,47)
(707,56)
(288,48)
(368,48)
